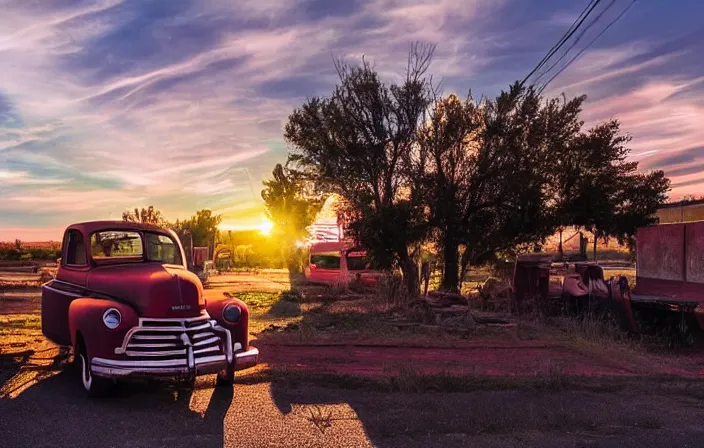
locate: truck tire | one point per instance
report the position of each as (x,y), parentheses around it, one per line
(95,386)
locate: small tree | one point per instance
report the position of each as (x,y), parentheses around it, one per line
(360,144)
(291,206)
(148,215)
(201,229)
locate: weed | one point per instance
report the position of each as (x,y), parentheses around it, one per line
(322,419)
(404,378)
(292,296)
(551,377)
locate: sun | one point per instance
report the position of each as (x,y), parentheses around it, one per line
(265,227)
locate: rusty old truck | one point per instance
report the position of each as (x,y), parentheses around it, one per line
(125,303)
(668,293)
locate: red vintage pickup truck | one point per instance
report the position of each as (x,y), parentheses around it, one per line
(125,302)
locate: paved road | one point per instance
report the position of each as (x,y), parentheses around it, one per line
(54,413)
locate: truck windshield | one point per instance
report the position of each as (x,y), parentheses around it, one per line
(111,244)
(126,245)
(162,248)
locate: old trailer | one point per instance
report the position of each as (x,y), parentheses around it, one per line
(669,285)
(668,294)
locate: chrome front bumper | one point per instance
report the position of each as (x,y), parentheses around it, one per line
(175,347)
(173,367)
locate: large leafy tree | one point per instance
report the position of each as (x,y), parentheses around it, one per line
(291,205)
(490,173)
(361,144)
(604,192)
(148,215)
(490,176)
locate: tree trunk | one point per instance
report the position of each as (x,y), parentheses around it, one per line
(450,279)
(595,238)
(464,265)
(409,269)
(560,249)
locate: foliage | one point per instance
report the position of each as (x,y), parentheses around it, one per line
(688,198)
(147,215)
(251,249)
(606,194)
(29,251)
(291,206)
(489,177)
(478,177)
(292,296)
(360,144)
(255,300)
(202,229)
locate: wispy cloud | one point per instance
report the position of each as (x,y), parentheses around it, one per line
(15,178)
(181,104)
(68,200)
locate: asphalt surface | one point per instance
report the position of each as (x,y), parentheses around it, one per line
(53,412)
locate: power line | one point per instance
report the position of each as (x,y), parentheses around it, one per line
(616,19)
(570,31)
(561,41)
(576,41)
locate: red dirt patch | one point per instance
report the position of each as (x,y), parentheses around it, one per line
(517,360)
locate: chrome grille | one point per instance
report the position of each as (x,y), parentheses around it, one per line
(186,342)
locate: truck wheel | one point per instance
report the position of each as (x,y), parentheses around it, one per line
(226,377)
(95,386)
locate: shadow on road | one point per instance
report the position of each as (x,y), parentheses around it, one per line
(54,411)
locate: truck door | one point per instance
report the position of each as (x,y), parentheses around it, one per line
(68,285)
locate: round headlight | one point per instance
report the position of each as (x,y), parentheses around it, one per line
(112,318)
(231,313)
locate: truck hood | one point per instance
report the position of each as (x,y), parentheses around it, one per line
(155,290)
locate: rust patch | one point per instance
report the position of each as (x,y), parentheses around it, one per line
(660,252)
(695,252)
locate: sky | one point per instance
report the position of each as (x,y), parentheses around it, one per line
(110,105)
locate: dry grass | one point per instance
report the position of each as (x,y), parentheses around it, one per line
(10,323)
(23,284)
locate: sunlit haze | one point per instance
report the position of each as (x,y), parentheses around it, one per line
(111,105)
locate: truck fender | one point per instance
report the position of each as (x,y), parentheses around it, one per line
(239,329)
(85,316)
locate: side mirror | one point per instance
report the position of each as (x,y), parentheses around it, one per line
(313,266)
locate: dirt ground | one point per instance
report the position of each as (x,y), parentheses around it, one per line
(333,376)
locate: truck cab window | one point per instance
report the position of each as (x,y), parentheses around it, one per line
(75,248)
